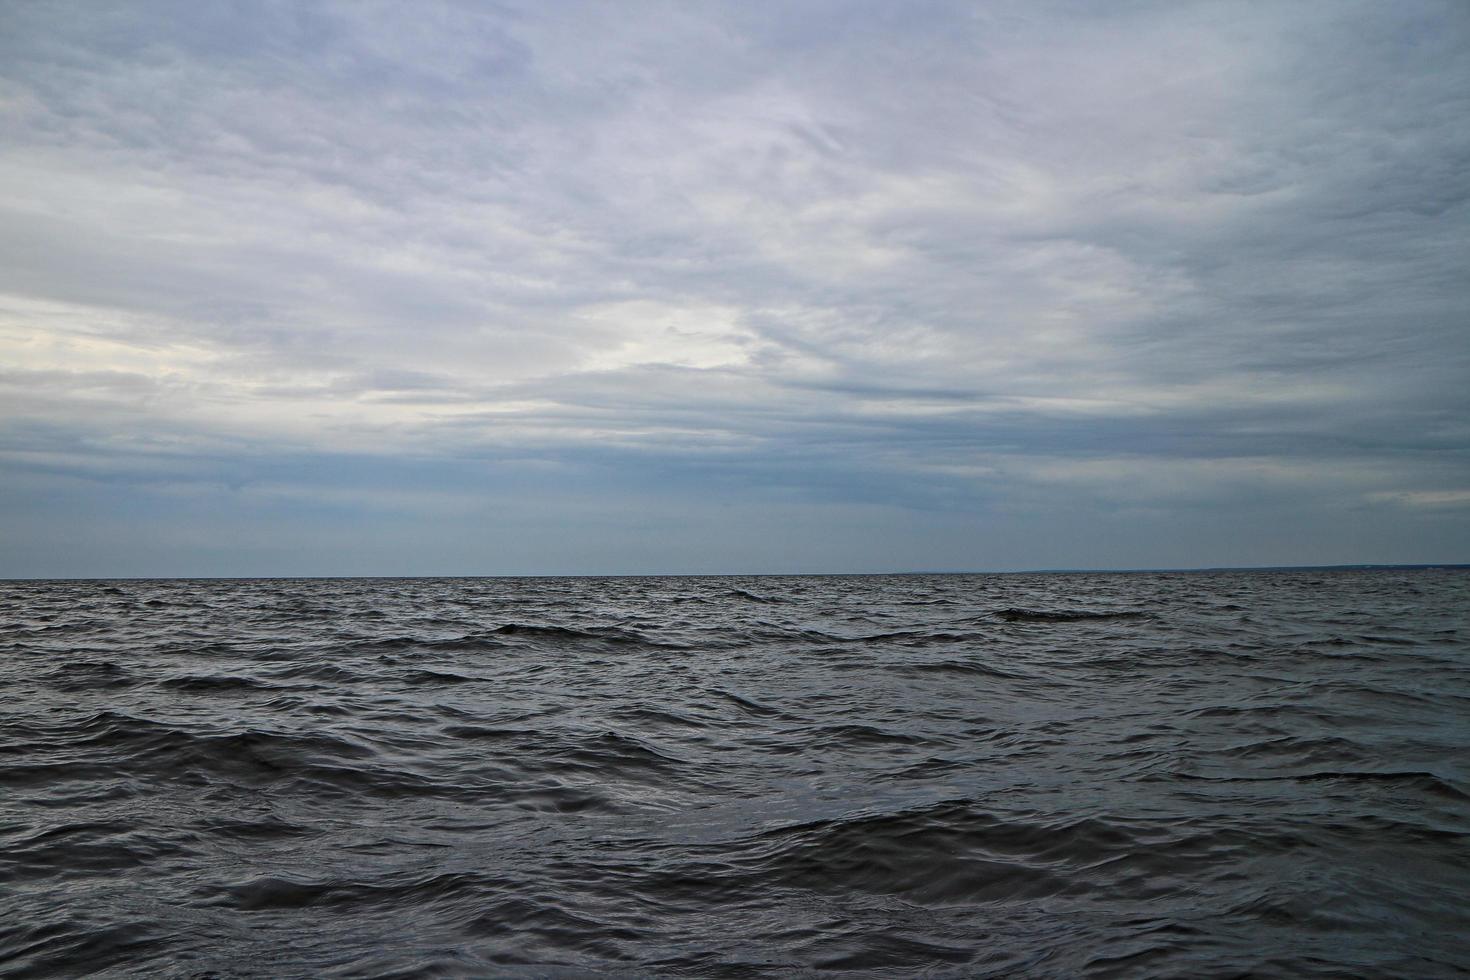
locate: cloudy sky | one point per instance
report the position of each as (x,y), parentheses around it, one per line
(540,287)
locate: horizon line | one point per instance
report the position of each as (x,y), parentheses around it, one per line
(1140,570)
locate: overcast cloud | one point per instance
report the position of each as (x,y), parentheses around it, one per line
(637,287)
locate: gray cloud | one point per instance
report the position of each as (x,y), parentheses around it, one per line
(475,287)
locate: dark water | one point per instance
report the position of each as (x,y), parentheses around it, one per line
(1262,774)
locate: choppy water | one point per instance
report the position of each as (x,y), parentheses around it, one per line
(1023,775)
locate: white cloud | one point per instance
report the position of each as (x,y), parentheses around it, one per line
(1015,247)
(1423,498)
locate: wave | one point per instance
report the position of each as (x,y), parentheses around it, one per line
(606,754)
(746,705)
(274,892)
(943,854)
(1064,616)
(433,677)
(216,684)
(858,736)
(83,675)
(1143,775)
(112,744)
(97,847)
(749,596)
(657,717)
(74,945)
(958,668)
(1424,782)
(602,635)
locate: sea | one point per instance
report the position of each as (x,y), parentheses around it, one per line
(1205,774)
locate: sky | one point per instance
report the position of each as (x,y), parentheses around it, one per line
(698,287)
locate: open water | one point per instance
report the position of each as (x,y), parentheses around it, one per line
(1066,775)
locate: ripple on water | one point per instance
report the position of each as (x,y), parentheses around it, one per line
(1013,775)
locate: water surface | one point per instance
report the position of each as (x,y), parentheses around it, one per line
(1063,775)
